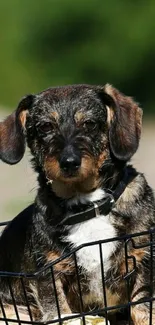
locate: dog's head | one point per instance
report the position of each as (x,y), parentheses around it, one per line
(72,131)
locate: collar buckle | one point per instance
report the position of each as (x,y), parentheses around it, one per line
(97,211)
(109,202)
(112,200)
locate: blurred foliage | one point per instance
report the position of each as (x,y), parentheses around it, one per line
(57,42)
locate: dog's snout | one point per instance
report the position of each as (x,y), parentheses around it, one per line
(70,160)
(70,163)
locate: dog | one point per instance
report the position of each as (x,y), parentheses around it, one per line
(81,138)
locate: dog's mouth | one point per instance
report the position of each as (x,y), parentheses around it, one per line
(69,182)
(69,174)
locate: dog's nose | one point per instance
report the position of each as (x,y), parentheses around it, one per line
(70,164)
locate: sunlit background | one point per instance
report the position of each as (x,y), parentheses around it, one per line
(58,42)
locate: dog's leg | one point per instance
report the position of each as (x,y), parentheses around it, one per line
(141,313)
(44,296)
(62,301)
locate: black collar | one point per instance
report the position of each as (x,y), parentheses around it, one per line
(97,208)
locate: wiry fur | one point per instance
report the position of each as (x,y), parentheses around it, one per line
(100,128)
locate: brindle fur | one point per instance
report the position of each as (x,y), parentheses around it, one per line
(102,127)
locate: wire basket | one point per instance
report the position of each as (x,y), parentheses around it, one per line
(123,318)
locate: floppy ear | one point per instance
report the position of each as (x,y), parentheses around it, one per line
(12,137)
(125,121)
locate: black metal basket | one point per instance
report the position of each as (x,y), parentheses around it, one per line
(126,307)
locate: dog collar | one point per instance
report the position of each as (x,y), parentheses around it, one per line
(97,208)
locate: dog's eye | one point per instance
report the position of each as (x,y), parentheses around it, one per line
(46,127)
(89,126)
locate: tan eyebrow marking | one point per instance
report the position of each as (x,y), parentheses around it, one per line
(79,116)
(55,115)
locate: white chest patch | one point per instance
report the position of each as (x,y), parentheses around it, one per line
(99,228)
(89,231)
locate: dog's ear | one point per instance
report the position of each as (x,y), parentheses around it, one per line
(125,121)
(12,133)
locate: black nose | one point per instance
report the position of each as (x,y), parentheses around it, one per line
(70,164)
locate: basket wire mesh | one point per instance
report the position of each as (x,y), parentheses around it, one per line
(125,241)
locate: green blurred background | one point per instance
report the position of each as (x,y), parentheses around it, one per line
(53,42)
(57,42)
